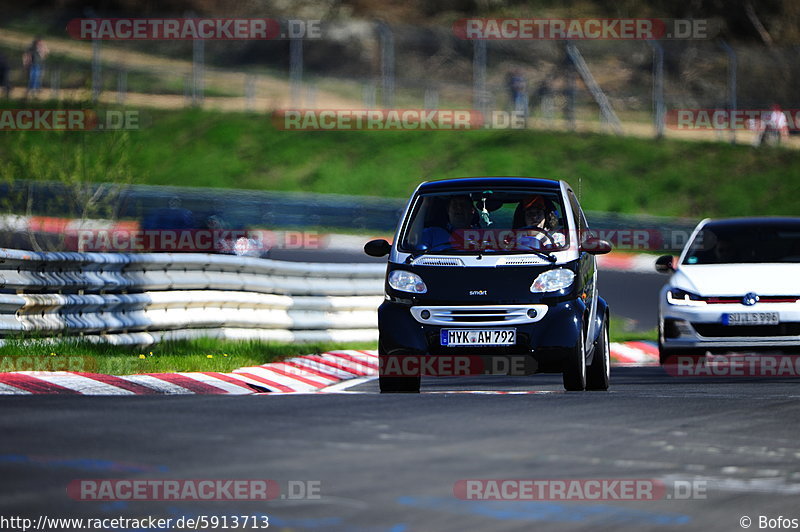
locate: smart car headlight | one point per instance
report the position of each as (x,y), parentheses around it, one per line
(676,296)
(553,280)
(407,282)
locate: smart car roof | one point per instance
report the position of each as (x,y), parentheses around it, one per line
(496,182)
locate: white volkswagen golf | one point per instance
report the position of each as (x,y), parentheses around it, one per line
(736,286)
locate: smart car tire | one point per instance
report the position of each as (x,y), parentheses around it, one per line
(393,384)
(597,374)
(399,384)
(574,372)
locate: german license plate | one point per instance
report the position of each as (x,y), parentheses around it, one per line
(751,318)
(459,337)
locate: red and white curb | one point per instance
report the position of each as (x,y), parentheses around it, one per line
(304,374)
(634,353)
(300,374)
(627,262)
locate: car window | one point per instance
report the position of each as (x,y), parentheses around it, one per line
(578,217)
(736,244)
(486,221)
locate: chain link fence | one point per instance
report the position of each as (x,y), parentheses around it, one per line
(370,64)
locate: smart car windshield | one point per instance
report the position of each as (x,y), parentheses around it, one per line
(486,222)
(774,241)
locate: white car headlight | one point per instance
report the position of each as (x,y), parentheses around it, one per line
(553,280)
(676,296)
(407,282)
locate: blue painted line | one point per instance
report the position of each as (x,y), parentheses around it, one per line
(86,464)
(114,506)
(545,511)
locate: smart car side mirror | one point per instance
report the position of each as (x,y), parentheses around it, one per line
(595,246)
(377,248)
(664,264)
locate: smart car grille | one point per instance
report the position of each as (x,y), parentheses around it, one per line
(438,261)
(718,330)
(479,315)
(521,261)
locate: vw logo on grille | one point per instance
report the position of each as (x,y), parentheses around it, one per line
(749,299)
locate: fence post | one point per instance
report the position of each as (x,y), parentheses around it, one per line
(96,73)
(55,83)
(369,95)
(249,92)
(296,70)
(387,65)
(311,96)
(570,91)
(733,65)
(198,60)
(122,85)
(431,99)
(658,87)
(479,99)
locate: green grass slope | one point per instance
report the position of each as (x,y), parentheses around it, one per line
(615,174)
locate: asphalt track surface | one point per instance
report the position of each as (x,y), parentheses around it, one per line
(390,462)
(722,448)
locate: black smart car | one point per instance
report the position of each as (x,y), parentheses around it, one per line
(492,275)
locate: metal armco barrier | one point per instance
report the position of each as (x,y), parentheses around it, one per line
(145,298)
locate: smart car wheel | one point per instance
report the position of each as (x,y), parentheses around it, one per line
(399,384)
(393,383)
(598,373)
(574,372)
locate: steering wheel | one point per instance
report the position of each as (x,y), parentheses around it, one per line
(550,240)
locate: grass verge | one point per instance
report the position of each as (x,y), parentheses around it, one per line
(204,354)
(619,332)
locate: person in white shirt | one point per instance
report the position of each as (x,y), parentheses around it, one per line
(773,127)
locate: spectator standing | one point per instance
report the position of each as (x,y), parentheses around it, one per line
(773,127)
(33,60)
(517,87)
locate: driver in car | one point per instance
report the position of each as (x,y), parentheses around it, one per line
(540,226)
(460,215)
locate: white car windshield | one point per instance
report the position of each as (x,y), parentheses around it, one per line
(486,222)
(771,241)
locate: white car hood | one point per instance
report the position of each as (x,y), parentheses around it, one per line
(738,279)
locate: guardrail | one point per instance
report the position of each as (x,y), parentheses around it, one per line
(253,208)
(150,297)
